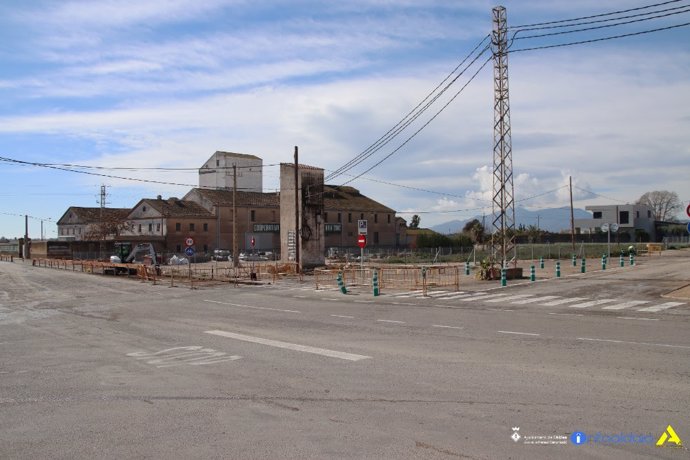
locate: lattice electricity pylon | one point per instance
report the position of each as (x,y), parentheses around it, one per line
(503,234)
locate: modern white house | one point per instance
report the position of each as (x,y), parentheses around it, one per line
(630,218)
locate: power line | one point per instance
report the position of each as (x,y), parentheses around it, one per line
(410,117)
(423,126)
(594,16)
(600,39)
(599,27)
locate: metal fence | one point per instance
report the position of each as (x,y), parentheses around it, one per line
(394,277)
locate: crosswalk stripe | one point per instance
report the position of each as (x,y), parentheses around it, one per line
(562,301)
(623,305)
(535,300)
(509,298)
(482,297)
(458,296)
(663,306)
(592,303)
(403,295)
(445,294)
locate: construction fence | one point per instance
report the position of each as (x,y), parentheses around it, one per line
(400,278)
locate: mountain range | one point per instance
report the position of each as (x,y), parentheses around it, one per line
(550,219)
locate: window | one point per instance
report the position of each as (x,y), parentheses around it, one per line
(150,228)
(624,217)
(178,226)
(191,226)
(253,215)
(376,237)
(376,218)
(339,218)
(637,214)
(217,162)
(325,217)
(349,217)
(158,227)
(649,214)
(143,208)
(596,215)
(205,229)
(178,248)
(139,228)
(361,216)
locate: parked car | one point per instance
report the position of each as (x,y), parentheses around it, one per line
(221,254)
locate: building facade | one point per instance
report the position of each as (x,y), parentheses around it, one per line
(633,220)
(217,172)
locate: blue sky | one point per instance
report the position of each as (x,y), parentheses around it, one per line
(164,84)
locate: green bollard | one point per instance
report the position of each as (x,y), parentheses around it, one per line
(375,283)
(504,280)
(603,262)
(582,266)
(632,259)
(558,269)
(341,285)
(532,274)
(622,261)
(574,260)
(467,268)
(541,262)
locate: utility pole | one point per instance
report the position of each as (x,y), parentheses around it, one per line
(101,243)
(235,248)
(297,212)
(572,214)
(25,248)
(503,235)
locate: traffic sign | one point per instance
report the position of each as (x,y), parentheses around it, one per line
(687,210)
(362,241)
(362,227)
(253,242)
(614,228)
(189,241)
(189,251)
(605,228)
(688,227)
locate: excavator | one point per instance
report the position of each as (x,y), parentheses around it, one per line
(142,254)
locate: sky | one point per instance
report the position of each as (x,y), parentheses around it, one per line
(165,83)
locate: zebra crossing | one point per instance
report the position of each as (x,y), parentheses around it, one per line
(491,297)
(607,304)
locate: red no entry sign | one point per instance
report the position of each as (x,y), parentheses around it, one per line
(362,241)
(687,210)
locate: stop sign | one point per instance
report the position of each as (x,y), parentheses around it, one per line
(362,241)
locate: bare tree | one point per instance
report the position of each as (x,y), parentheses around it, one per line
(664,204)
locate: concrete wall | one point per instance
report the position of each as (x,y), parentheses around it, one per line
(311,238)
(639,218)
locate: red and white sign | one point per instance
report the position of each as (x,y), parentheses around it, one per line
(253,242)
(362,241)
(189,241)
(687,210)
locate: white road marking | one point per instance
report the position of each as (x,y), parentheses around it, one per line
(407,294)
(343,316)
(290,346)
(458,296)
(592,303)
(663,306)
(390,321)
(254,307)
(518,333)
(181,356)
(535,300)
(447,327)
(565,314)
(562,301)
(363,301)
(638,319)
(483,296)
(623,305)
(509,298)
(633,343)
(446,294)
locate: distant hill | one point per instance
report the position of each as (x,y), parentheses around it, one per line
(550,219)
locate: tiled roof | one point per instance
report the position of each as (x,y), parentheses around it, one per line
(244,199)
(93,215)
(173,207)
(349,198)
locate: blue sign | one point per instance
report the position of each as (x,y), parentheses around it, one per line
(578,438)
(189,251)
(688,227)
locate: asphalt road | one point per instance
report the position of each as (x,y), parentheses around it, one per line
(104,367)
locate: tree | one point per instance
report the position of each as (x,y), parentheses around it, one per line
(475,230)
(415,221)
(664,204)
